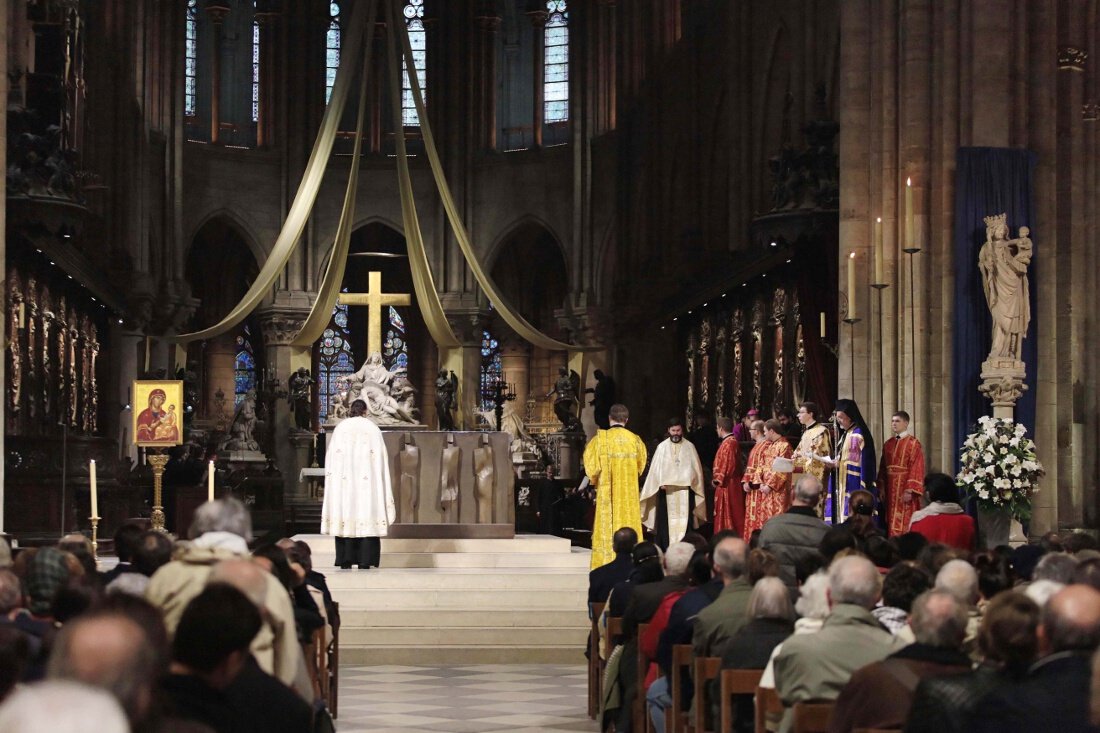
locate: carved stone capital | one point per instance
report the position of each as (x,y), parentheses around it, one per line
(1003,384)
(140,302)
(587,326)
(280,324)
(468,324)
(1071,58)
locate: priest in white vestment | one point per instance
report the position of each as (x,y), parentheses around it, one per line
(673,492)
(358,507)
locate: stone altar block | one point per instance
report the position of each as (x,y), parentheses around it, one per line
(459,519)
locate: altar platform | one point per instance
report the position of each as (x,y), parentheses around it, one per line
(462,601)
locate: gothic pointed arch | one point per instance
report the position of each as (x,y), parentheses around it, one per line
(220,266)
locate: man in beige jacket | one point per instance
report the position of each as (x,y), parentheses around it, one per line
(220,532)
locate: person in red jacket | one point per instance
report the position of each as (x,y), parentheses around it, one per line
(943,520)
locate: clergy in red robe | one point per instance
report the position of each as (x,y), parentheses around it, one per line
(729,496)
(901,474)
(767,488)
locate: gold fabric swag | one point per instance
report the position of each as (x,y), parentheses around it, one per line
(363,17)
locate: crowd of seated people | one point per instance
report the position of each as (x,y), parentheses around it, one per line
(901,633)
(196,636)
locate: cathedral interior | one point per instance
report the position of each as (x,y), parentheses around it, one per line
(707,198)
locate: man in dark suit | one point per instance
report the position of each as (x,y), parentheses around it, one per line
(1055,694)
(126,539)
(602,579)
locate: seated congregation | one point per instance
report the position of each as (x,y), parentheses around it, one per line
(808,627)
(198,636)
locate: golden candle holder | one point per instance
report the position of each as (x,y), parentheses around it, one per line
(95,538)
(157,461)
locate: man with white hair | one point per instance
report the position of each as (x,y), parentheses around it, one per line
(219,532)
(795,535)
(60,706)
(729,612)
(815,667)
(880,695)
(960,579)
(648,596)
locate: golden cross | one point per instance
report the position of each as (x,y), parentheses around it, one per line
(375,300)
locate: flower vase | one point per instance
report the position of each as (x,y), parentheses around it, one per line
(995,526)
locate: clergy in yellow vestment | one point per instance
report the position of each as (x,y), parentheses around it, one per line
(673,493)
(816,441)
(613,461)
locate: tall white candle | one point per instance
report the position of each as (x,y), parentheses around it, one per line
(852,285)
(210,481)
(878,252)
(92,488)
(909,214)
(822,325)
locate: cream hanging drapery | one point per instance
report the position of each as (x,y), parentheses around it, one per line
(517,322)
(321,312)
(306,195)
(423,282)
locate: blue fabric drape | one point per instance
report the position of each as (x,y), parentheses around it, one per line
(988,181)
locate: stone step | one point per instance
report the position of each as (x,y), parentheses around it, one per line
(385,598)
(322,545)
(461,617)
(459,655)
(572,637)
(482,579)
(579,560)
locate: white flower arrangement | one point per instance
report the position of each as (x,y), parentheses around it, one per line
(999,467)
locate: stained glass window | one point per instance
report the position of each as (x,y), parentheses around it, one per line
(255,71)
(244,366)
(418,39)
(190,58)
(395,347)
(555,80)
(335,358)
(332,48)
(492,370)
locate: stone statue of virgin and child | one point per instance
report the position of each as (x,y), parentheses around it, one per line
(1003,263)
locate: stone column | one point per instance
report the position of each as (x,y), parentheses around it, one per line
(515,359)
(266,17)
(467,324)
(488,22)
(538,15)
(280,324)
(217,10)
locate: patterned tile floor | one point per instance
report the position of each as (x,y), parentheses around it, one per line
(520,698)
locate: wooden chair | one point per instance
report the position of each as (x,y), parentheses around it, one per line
(735,682)
(641,715)
(678,721)
(614,629)
(594,667)
(767,704)
(333,662)
(706,669)
(812,717)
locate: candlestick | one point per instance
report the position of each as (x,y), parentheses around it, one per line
(852,285)
(878,251)
(157,461)
(210,481)
(909,212)
(822,314)
(93,489)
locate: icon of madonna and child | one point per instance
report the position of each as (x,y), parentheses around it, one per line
(158,423)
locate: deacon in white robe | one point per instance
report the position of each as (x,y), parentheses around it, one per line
(673,492)
(358,507)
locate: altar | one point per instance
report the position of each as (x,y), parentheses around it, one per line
(450,484)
